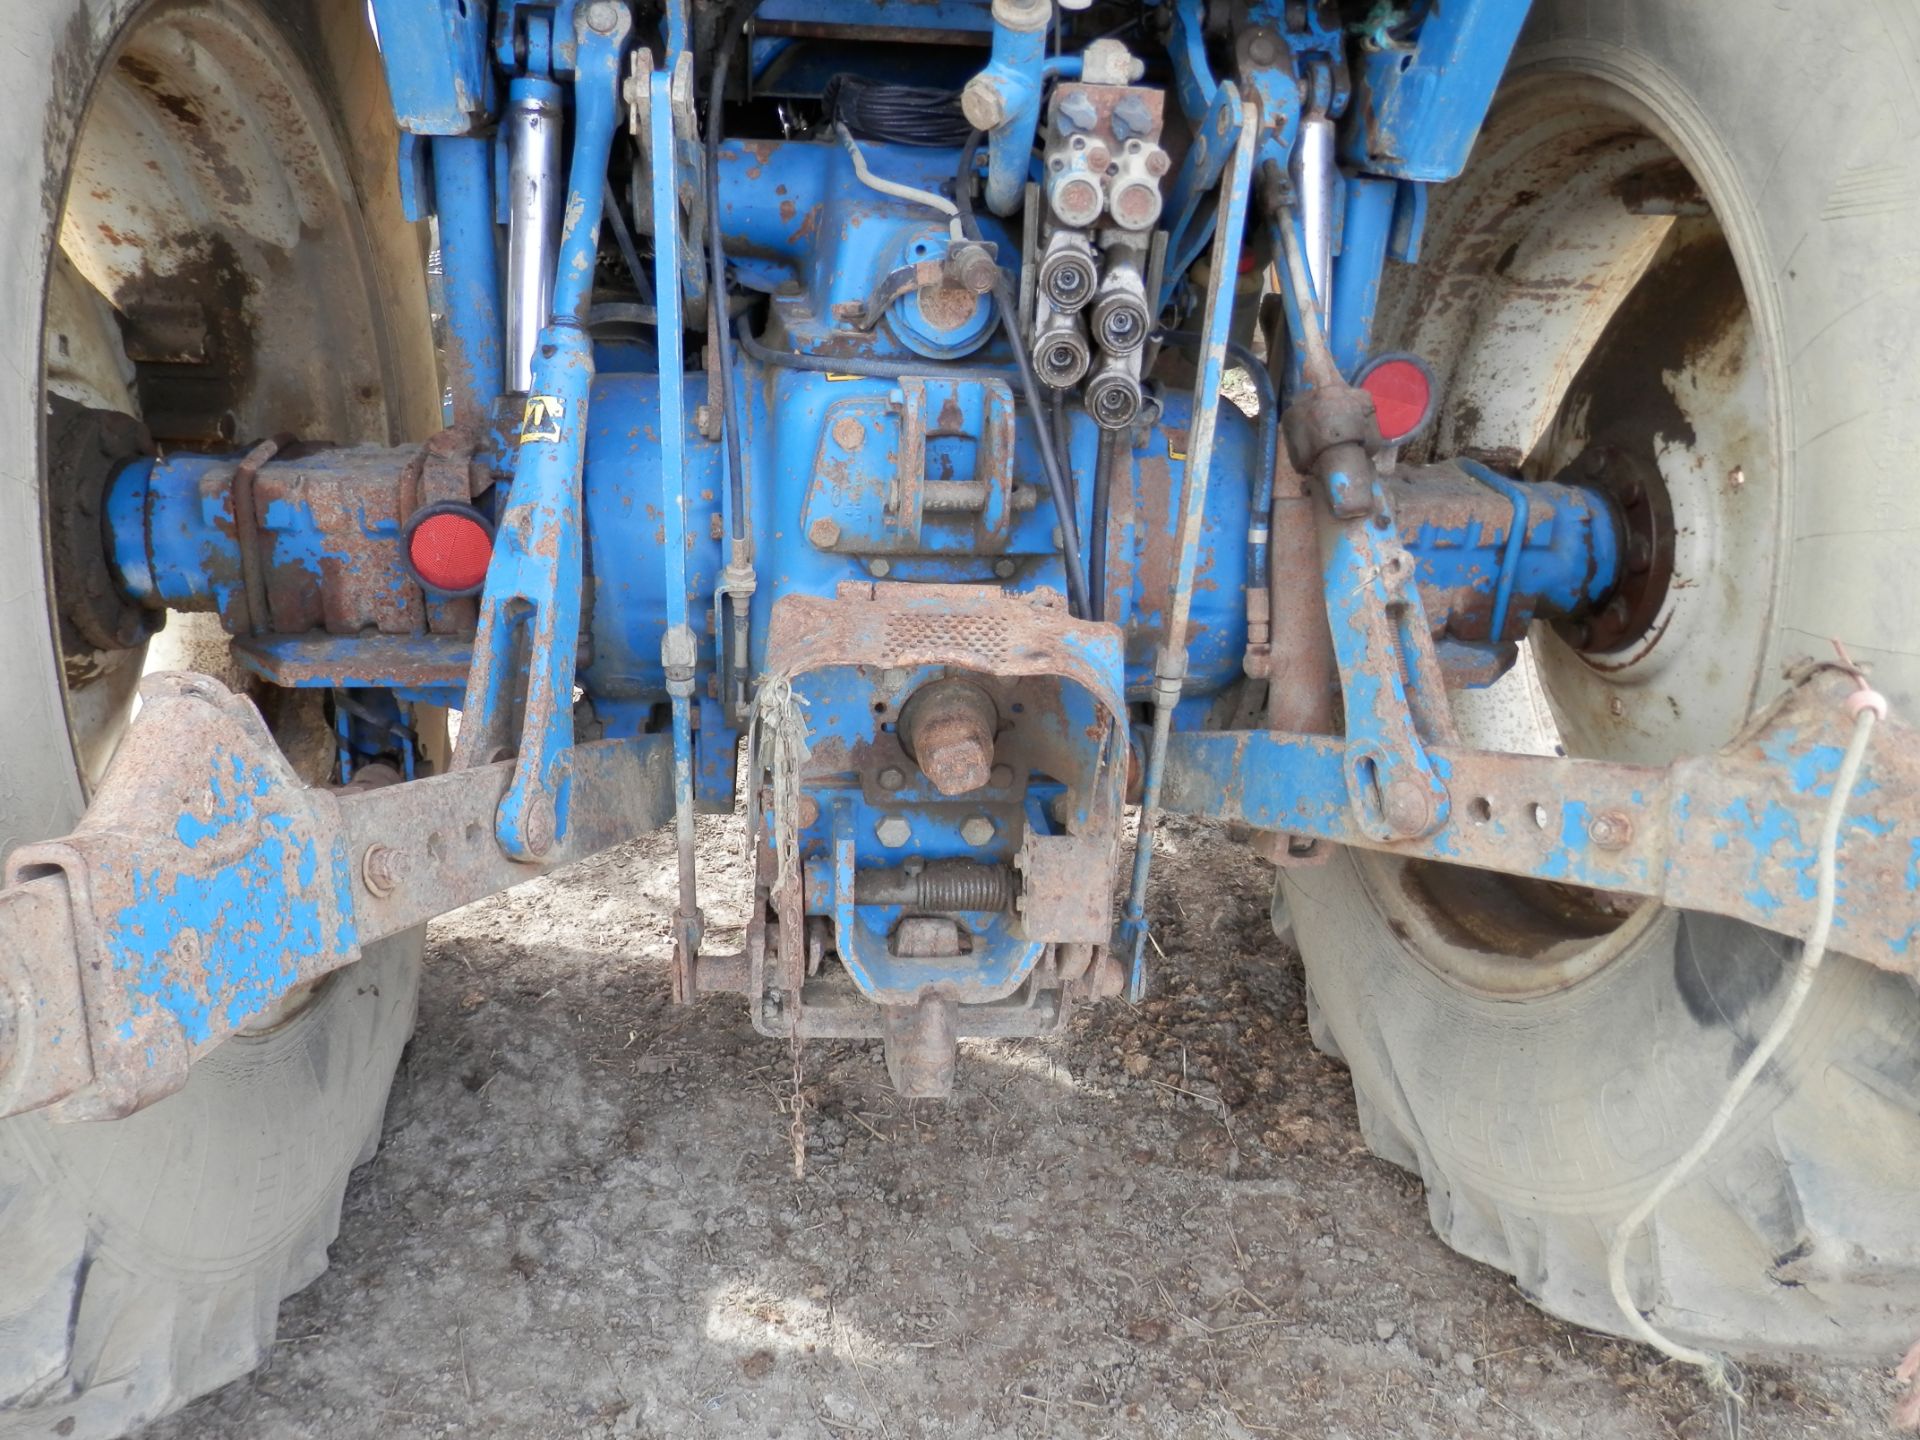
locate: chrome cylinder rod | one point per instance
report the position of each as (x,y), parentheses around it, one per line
(535,186)
(1316,179)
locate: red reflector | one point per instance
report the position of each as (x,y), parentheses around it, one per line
(1402,392)
(450,551)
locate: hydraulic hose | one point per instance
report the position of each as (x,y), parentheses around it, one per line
(733,438)
(1009,309)
(1105,458)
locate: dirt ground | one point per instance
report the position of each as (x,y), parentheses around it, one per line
(584,1220)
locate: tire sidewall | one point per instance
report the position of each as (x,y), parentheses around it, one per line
(142,1261)
(1536,1123)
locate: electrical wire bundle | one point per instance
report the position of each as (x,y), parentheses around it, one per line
(902,114)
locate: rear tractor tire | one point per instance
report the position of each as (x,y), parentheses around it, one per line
(1653,267)
(228,163)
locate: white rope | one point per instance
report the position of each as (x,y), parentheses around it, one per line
(1867,707)
(780,730)
(893,187)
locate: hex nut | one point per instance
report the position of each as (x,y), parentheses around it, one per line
(824,533)
(976,270)
(893,831)
(849,433)
(977,830)
(891,778)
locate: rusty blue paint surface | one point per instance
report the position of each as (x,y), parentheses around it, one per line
(216,934)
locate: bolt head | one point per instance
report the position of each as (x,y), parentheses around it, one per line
(977,830)
(848,433)
(892,778)
(1004,567)
(602,17)
(824,533)
(808,811)
(1611,830)
(893,831)
(1616,707)
(381,869)
(982,104)
(1001,777)
(702,416)
(879,567)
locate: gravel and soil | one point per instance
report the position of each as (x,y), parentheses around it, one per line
(584,1220)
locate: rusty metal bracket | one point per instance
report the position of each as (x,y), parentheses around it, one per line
(1065,879)
(1731,834)
(246,524)
(206,883)
(1394,694)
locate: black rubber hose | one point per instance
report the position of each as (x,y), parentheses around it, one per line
(1009,309)
(1262,499)
(733,430)
(1063,443)
(1105,458)
(623,237)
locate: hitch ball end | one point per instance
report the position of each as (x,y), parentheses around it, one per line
(948,728)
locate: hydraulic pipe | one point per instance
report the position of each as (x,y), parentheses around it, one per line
(1004,98)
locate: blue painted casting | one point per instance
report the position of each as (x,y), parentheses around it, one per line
(884,438)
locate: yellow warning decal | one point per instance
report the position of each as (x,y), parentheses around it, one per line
(542,418)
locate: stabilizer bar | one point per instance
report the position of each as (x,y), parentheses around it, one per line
(1732,834)
(205,883)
